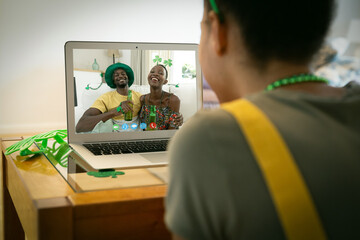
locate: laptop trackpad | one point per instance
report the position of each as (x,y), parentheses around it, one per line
(161,157)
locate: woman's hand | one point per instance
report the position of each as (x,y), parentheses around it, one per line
(177,120)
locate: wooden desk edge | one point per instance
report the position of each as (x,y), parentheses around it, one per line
(40,217)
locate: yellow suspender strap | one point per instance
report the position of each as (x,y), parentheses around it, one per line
(292,200)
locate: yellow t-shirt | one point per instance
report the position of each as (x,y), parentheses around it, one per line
(112,99)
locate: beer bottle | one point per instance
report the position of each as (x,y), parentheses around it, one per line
(129,114)
(152,118)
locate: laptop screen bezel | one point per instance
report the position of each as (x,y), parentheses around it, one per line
(74,137)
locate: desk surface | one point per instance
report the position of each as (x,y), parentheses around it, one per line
(76,206)
(78,178)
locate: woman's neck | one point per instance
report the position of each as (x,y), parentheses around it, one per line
(155,94)
(248,79)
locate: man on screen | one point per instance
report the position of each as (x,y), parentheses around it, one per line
(114,104)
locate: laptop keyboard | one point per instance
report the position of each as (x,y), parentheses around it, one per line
(127,147)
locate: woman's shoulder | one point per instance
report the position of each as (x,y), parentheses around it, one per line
(209,129)
(169,95)
(206,121)
(173,99)
(142,98)
(173,96)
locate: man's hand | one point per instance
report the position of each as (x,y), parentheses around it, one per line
(126,106)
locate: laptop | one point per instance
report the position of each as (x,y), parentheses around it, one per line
(115,144)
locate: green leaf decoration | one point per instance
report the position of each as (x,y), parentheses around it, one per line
(157,59)
(96,88)
(51,134)
(58,152)
(20,146)
(105,173)
(168,62)
(27,142)
(175,85)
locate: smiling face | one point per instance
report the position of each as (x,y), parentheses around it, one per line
(120,78)
(157,76)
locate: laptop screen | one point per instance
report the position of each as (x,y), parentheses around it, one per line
(160,82)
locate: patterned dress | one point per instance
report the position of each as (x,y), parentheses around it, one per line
(164,114)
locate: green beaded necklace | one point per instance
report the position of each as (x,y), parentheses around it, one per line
(295,79)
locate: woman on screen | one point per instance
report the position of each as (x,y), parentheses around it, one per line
(159,109)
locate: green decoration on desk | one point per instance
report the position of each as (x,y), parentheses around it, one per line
(105,173)
(58,153)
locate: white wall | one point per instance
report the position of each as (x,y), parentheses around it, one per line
(33,33)
(32,38)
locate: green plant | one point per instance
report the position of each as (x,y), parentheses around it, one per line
(188,71)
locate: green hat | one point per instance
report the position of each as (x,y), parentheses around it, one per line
(110,70)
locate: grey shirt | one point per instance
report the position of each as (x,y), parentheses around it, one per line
(216,189)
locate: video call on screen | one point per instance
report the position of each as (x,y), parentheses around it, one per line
(89,66)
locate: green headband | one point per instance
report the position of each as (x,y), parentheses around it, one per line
(214,6)
(216,10)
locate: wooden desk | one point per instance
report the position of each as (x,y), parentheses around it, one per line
(40,204)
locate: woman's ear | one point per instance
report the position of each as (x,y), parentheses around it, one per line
(166,81)
(218,33)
